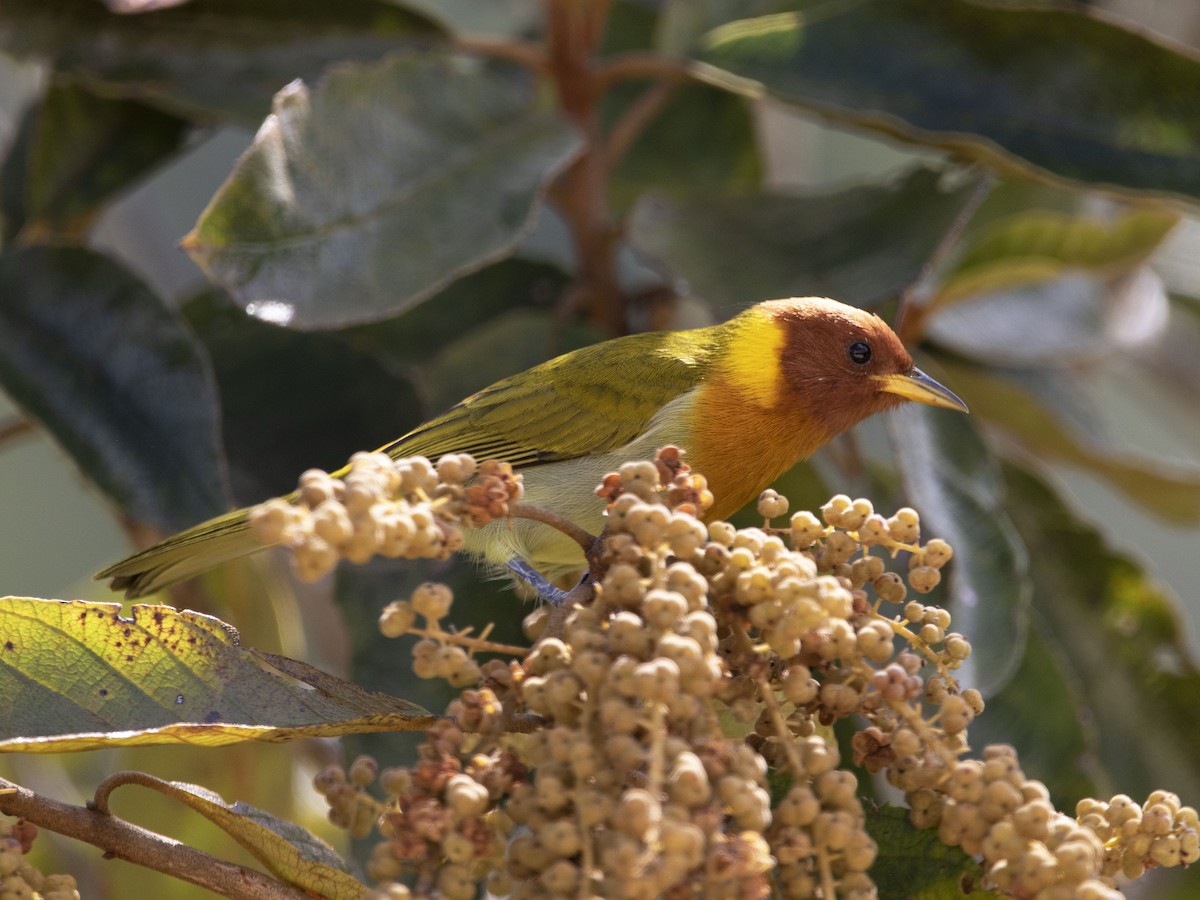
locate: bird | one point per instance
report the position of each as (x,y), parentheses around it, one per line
(745,399)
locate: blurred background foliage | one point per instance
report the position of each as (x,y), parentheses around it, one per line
(383,206)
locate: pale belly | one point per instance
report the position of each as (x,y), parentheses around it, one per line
(569,489)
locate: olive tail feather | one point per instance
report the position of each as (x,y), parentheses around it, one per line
(186,554)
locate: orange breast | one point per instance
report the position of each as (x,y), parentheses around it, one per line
(741,447)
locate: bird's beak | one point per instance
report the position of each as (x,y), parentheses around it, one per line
(915,385)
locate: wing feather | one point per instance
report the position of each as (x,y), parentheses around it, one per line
(588,401)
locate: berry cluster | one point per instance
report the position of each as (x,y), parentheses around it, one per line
(384,507)
(19,880)
(602,762)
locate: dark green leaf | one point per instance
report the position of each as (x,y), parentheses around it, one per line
(1061,91)
(374,190)
(951,478)
(913,864)
(73,151)
(1039,713)
(292,400)
(406,341)
(87,350)
(208,58)
(503,346)
(860,245)
(1117,635)
(703,142)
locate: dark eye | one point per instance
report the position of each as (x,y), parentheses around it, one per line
(860,352)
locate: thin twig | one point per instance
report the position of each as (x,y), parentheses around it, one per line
(547,517)
(121,840)
(637,117)
(910,321)
(525,53)
(634,66)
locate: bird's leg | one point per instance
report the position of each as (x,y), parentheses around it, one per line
(531,576)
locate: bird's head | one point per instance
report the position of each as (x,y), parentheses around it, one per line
(841,364)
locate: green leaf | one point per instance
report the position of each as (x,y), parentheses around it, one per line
(79,676)
(1118,637)
(913,864)
(89,352)
(208,58)
(292,400)
(1038,245)
(288,851)
(951,478)
(503,346)
(860,244)
(73,151)
(406,341)
(1060,91)
(1045,426)
(702,143)
(1040,713)
(377,188)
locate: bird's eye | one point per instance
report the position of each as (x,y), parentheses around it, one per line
(860,352)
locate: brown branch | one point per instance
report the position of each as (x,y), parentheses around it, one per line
(640,114)
(536,513)
(634,66)
(524,53)
(121,840)
(910,321)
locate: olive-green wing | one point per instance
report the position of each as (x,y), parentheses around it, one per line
(588,401)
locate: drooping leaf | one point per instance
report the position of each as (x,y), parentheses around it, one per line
(1038,245)
(79,676)
(290,852)
(292,400)
(89,352)
(1168,489)
(913,864)
(208,58)
(951,477)
(860,244)
(1061,91)
(1118,637)
(73,151)
(372,191)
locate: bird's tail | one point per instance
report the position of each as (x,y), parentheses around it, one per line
(186,554)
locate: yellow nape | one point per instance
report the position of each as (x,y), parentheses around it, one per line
(750,363)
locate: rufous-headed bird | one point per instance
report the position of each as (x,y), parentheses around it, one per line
(745,399)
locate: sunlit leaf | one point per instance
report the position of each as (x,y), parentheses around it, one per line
(291,853)
(208,58)
(1040,244)
(1060,91)
(860,244)
(378,187)
(92,354)
(80,676)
